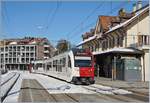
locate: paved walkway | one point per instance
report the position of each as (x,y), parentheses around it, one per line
(32,91)
(139,87)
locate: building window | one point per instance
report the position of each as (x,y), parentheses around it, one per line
(27,48)
(32,48)
(113,42)
(121,41)
(97,46)
(118,41)
(18,48)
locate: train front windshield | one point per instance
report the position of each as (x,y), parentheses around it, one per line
(83,62)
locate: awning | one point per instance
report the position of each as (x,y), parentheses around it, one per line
(120,50)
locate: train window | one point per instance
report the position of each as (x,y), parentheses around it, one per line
(56,65)
(69,61)
(49,65)
(64,62)
(83,63)
(61,64)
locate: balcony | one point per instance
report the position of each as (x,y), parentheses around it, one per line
(46,45)
(46,57)
(144,41)
(46,51)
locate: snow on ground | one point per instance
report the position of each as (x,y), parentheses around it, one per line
(55,86)
(5,87)
(14,93)
(52,85)
(6,76)
(109,90)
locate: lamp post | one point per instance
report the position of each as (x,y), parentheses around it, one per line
(21,55)
(19,61)
(4,55)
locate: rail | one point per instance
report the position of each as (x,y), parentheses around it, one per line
(7,80)
(7,86)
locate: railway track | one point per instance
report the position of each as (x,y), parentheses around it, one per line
(8,79)
(74,99)
(136,95)
(133,97)
(10,82)
(33,91)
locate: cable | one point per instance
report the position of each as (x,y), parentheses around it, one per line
(81,23)
(113,10)
(109,12)
(53,15)
(5,16)
(84,28)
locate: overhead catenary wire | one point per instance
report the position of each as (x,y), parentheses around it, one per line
(69,36)
(53,16)
(109,12)
(82,22)
(5,17)
(84,28)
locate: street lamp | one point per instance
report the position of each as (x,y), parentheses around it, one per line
(19,60)
(4,56)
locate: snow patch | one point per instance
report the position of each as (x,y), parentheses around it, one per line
(59,86)
(110,90)
(87,40)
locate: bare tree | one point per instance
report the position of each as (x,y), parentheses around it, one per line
(62,45)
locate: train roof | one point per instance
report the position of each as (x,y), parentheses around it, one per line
(73,50)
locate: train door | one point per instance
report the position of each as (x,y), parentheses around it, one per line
(69,69)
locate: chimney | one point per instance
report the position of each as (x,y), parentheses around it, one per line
(139,5)
(134,7)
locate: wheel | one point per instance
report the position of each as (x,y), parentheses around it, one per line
(78,83)
(92,82)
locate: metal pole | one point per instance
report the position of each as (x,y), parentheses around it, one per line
(68,45)
(115,67)
(4,55)
(0,58)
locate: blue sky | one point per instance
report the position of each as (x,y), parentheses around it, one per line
(38,19)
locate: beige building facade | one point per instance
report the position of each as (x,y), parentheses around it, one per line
(124,36)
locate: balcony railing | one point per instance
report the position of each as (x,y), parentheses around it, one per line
(46,45)
(144,40)
(46,51)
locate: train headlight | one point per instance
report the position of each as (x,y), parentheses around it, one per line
(90,70)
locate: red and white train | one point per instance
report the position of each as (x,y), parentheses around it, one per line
(75,66)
